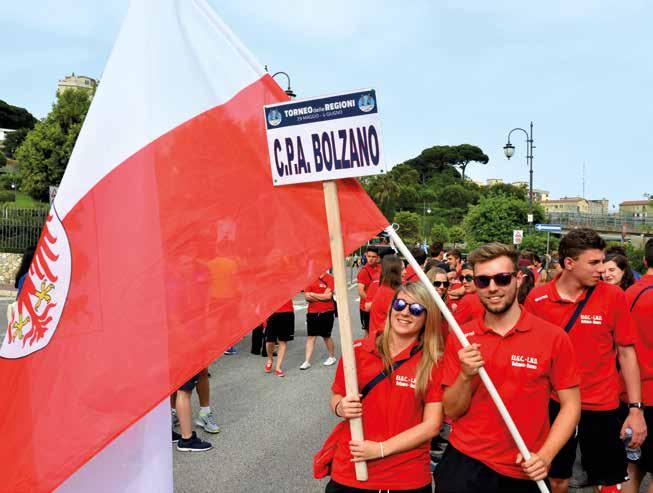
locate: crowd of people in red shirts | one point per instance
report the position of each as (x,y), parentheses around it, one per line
(565,342)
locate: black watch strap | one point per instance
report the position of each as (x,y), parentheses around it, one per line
(636,405)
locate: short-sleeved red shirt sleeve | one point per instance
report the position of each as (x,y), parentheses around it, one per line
(320,286)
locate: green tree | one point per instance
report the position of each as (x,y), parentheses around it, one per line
(439,232)
(384,190)
(505,189)
(408,226)
(635,258)
(3,160)
(536,242)
(466,154)
(13,140)
(494,219)
(15,117)
(45,152)
(456,234)
(438,158)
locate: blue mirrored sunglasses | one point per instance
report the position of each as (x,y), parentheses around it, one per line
(415,309)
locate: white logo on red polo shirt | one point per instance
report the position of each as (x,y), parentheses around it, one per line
(404,381)
(591,319)
(543,297)
(521,361)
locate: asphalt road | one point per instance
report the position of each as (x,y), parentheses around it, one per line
(271,426)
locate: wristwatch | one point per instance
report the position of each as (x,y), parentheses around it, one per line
(636,405)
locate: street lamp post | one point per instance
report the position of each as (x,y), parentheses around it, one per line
(291,94)
(425,212)
(509,150)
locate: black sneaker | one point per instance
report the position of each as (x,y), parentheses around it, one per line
(193,444)
(175,436)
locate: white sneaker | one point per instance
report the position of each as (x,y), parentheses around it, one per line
(305,365)
(208,423)
(330,361)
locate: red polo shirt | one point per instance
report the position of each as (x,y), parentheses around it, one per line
(410,275)
(380,308)
(286,307)
(642,314)
(525,365)
(388,410)
(366,276)
(604,322)
(468,308)
(319,287)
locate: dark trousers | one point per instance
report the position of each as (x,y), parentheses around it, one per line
(258,346)
(333,487)
(365,320)
(459,473)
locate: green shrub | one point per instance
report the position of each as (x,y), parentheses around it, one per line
(7,196)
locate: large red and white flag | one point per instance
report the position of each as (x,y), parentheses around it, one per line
(166,243)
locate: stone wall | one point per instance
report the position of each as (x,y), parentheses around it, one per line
(9,263)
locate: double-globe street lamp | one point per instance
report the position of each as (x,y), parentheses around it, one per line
(509,150)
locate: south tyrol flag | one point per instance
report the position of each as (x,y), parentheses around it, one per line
(166,243)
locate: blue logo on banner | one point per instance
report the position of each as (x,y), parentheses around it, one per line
(274,117)
(366,103)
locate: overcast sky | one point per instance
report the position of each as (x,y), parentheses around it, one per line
(446,72)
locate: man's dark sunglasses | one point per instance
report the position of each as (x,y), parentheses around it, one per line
(502,279)
(399,305)
(467,277)
(437,284)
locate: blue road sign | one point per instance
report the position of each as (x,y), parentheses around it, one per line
(549,228)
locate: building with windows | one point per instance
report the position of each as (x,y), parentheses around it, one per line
(599,207)
(77,82)
(540,195)
(566,205)
(637,209)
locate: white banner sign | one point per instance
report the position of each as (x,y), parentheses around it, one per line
(325,138)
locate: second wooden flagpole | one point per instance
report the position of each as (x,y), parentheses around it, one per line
(344,315)
(455,328)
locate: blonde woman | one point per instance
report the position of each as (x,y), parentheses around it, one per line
(402,412)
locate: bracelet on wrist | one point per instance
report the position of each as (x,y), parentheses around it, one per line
(335,409)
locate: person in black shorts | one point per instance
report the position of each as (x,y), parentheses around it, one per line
(187,441)
(280,328)
(319,318)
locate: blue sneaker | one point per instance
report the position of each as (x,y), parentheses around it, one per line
(193,444)
(231,350)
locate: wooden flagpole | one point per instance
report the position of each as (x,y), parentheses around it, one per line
(344,315)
